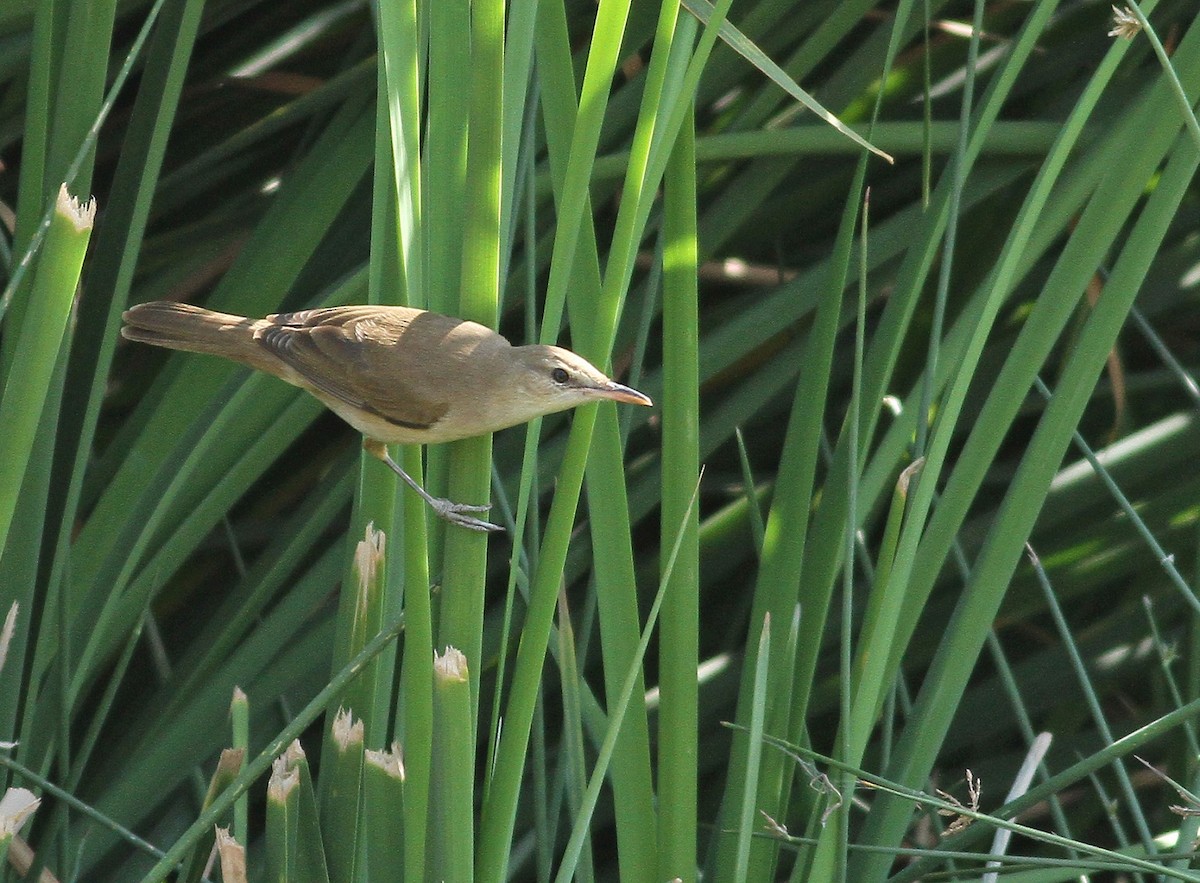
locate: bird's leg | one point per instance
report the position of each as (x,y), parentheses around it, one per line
(455,513)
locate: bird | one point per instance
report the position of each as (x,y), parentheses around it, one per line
(399,375)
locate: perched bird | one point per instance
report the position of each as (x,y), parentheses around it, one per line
(396,374)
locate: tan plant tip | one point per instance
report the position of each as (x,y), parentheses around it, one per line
(294,753)
(231,759)
(1125,23)
(368,556)
(81,216)
(6,633)
(16,806)
(451,665)
(233,857)
(775,827)
(347,730)
(909,473)
(283,780)
(961,820)
(390,761)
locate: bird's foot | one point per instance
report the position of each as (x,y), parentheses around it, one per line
(456,513)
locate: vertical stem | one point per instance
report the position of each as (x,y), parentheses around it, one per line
(680,624)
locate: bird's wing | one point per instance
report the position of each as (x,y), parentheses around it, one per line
(357,355)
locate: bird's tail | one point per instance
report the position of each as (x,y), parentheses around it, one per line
(196,330)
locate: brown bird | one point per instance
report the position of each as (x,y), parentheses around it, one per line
(396,374)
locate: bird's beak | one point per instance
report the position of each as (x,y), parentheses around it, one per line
(620,393)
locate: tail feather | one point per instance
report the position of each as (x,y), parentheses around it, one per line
(196,330)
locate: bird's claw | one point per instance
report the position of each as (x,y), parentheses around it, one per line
(456,513)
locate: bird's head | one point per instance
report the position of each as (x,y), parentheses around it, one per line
(547,379)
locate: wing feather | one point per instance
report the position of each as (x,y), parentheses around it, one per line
(358,356)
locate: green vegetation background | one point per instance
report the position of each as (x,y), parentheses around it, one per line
(968,371)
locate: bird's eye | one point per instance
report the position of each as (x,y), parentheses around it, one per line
(560,375)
